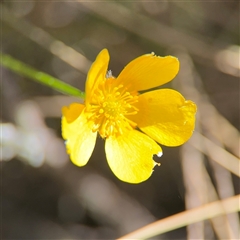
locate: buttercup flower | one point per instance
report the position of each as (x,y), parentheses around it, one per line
(131,123)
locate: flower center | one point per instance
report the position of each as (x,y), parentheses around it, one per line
(109,107)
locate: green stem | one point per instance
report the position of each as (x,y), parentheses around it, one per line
(41,77)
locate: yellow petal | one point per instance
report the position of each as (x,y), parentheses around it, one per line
(166,116)
(130,156)
(72,112)
(97,72)
(149,71)
(80,140)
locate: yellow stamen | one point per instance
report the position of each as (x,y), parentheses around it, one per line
(110,107)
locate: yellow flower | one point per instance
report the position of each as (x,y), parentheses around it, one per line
(130,122)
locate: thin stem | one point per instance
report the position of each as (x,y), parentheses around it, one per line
(217,153)
(182,219)
(41,77)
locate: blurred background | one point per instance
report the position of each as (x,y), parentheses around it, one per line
(44,196)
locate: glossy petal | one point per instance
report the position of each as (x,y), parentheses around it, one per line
(166,116)
(80,140)
(72,112)
(130,156)
(149,71)
(97,72)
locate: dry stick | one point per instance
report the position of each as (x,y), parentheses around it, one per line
(195,184)
(200,190)
(229,162)
(218,126)
(45,40)
(182,219)
(224,186)
(227,135)
(218,154)
(150,29)
(220,20)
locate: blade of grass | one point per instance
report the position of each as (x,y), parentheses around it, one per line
(149,29)
(218,154)
(200,190)
(38,76)
(59,49)
(182,219)
(219,132)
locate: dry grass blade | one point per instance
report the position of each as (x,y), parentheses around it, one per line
(183,219)
(216,125)
(195,184)
(219,133)
(146,27)
(45,40)
(200,190)
(218,154)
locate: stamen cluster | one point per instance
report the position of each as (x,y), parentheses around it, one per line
(109,108)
